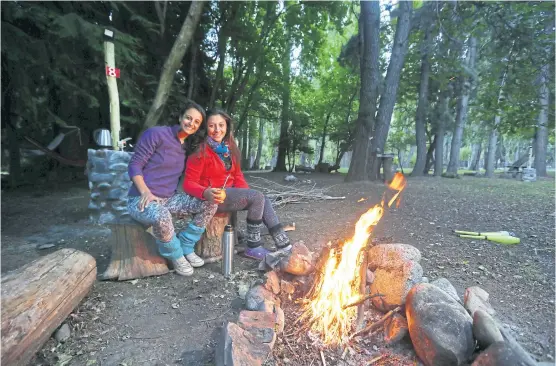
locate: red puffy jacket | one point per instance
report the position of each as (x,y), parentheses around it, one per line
(205,169)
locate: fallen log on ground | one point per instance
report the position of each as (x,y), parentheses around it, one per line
(38,297)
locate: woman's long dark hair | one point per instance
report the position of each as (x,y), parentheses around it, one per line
(229,136)
(193,142)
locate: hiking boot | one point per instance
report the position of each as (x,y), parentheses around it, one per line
(195,260)
(182,266)
(280,237)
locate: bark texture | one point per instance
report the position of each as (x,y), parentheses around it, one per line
(462,108)
(388,97)
(369,34)
(173,62)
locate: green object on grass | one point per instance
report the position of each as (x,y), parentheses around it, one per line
(483,233)
(502,239)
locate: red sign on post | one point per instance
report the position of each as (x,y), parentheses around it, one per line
(112,71)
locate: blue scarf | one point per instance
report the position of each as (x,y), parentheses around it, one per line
(222,150)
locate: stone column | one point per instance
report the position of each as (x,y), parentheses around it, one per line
(109,183)
(529,175)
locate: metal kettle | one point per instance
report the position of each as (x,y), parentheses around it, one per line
(102,137)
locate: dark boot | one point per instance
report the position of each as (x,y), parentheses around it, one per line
(254,233)
(255,250)
(280,237)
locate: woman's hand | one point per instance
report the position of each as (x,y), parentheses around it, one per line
(214,195)
(147,198)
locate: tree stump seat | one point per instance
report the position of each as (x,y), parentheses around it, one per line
(135,254)
(38,297)
(210,246)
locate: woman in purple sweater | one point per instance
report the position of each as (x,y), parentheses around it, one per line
(155,169)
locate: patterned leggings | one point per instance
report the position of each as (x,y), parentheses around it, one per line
(159,214)
(257,205)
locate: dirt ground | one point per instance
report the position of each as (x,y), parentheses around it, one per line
(172,320)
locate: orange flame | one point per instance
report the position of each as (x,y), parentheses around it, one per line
(339,282)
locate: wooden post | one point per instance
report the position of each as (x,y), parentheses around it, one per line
(109,60)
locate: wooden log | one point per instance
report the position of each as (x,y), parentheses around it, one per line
(134,253)
(37,297)
(210,246)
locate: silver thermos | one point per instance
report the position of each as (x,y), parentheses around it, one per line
(228,240)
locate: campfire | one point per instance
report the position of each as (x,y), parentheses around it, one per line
(329,309)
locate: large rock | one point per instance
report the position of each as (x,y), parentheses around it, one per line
(272,282)
(394,283)
(446,286)
(485,330)
(261,324)
(501,354)
(299,262)
(257,296)
(395,328)
(238,347)
(476,298)
(441,330)
(392,255)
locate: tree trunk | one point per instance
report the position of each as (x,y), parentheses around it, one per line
(430,156)
(491,152)
(421,114)
(15,158)
(440,132)
(250,97)
(388,98)
(222,43)
(161,13)
(541,135)
(285,119)
(476,156)
(256,165)
(245,147)
(173,62)
(192,71)
(369,33)
(323,139)
(439,150)
(447,144)
(38,297)
(236,94)
(462,107)
(493,136)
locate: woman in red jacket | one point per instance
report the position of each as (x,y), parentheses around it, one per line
(216,166)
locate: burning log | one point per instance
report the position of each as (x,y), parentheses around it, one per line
(362,300)
(342,282)
(376,324)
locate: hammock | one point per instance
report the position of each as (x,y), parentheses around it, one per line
(55,155)
(49,150)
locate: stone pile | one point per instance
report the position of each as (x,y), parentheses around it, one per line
(109,183)
(529,175)
(250,340)
(444,329)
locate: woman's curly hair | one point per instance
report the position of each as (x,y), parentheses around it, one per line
(192,143)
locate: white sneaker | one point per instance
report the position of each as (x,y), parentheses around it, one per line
(182,267)
(195,260)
